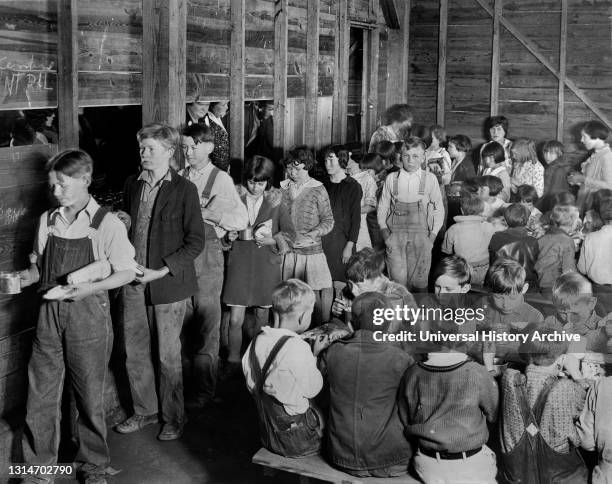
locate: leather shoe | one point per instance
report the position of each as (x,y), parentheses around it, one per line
(135,423)
(171,432)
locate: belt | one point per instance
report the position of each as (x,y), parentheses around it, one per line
(449,455)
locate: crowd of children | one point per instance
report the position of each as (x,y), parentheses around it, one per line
(338,243)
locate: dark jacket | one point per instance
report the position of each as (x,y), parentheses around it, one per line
(364,429)
(555,181)
(176,236)
(515,243)
(464,171)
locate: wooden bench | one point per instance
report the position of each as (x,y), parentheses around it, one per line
(314,467)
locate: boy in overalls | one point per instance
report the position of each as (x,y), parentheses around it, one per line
(222,211)
(74,331)
(410,214)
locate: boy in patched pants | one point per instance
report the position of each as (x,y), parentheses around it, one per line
(282,375)
(74,331)
(410,214)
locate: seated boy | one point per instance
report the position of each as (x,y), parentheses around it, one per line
(515,243)
(575,303)
(595,259)
(364,434)
(528,196)
(282,375)
(505,309)
(556,249)
(469,237)
(364,273)
(595,431)
(445,404)
(489,189)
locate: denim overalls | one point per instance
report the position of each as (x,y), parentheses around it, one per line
(74,336)
(409,246)
(205,306)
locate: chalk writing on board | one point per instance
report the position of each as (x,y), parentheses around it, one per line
(22,81)
(10,215)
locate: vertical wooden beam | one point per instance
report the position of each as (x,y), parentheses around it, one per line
(280,72)
(237,20)
(365,86)
(495,54)
(442,37)
(312,74)
(562,71)
(67,74)
(164,59)
(373,83)
(397,57)
(341,74)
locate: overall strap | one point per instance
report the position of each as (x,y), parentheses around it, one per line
(395,191)
(210,183)
(99,216)
(259,373)
(538,408)
(529,421)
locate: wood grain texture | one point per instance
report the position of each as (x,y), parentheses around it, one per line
(312,73)
(442,47)
(280,72)
(164,61)
(67,89)
(237,53)
(495,58)
(341,73)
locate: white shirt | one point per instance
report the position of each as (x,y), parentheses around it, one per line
(293,377)
(408,192)
(595,259)
(234,215)
(110,242)
(253,206)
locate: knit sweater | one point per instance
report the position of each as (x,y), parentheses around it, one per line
(302,213)
(446,408)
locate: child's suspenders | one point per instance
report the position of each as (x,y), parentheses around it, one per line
(260,374)
(209,183)
(430,206)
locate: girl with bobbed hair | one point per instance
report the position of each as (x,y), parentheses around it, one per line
(526,168)
(254,262)
(496,129)
(398,119)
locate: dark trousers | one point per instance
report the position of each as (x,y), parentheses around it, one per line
(204,314)
(74,338)
(153,332)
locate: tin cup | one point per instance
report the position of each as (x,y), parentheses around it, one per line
(246,234)
(10,282)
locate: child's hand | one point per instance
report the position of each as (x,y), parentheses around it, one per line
(232,235)
(265,241)
(78,292)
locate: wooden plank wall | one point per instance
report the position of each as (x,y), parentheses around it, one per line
(23,182)
(528,92)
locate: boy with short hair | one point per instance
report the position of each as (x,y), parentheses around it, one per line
(489,189)
(282,375)
(469,237)
(505,309)
(445,404)
(528,196)
(168,234)
(556,249)
(515,243)
(575,304)
(74,332)
(410,214)
(365,435)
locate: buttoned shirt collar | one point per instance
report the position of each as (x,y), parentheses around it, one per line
(89,210)
(147,177)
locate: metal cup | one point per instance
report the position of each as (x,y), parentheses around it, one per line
(246,234)
(10,282)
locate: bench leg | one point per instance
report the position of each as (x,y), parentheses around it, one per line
(269,472)
(304,480)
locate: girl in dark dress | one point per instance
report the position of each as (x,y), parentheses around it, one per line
(345,199)
(254,263)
